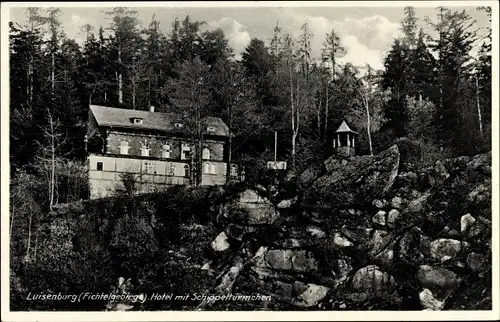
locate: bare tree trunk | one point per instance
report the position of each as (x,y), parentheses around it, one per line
(327,107)
(30,81)
(479,108)
(368,123)
(29,238)
(12,216)
(120,76)
(318,116)
(53,163)
(53,72)
(293,112)
(133,85)
(36,244)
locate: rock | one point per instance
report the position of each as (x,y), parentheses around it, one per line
(438,280)
(391,217)
(303,261)
(379,239)
(235,231)
(313,294)
(477,229)
(372,279)
(466,222)
(286,204)
(206,266)
(379,218)
(279,259)
(259,214)
(397,202)
(418,205)
(220,243)
(444,247)
(341,242)
(315,231)
(385,258)
(429,302)
(377,203)
(252,196)
(299,288)
(359,235)
(362,177)
(481,193)
(344,268)
(475,261)
(351,211)
(306,178)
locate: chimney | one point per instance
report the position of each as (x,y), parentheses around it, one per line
(152,109)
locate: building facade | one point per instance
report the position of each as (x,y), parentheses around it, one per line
(154,149)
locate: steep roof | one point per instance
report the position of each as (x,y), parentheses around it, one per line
(344,128)
(123,118)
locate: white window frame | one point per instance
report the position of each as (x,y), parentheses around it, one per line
(166,151)
(138,121)
(184,148)
(145,149)
(171,170)
(206,154)
(150,167)
(213,169)
(124,147)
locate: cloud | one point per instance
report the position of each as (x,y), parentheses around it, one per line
(236,33)
(366,40)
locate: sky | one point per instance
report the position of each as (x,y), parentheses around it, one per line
(366,32)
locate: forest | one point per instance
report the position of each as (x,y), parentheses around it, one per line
(433,95)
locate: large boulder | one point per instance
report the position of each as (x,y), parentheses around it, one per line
(362,178)
(311,295)
(440,281)
(220,243)
(372,279)
(279,259)
(445,248)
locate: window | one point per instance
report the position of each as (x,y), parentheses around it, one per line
(99,166)
(186,171)
(149,167)
(165,151)
(206,154)
(171,170)
(185,151)
(137,120)
(178,125)
(145,149)
(211,129)
(209,168)
(124,147)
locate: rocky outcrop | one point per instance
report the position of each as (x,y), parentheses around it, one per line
(364,232)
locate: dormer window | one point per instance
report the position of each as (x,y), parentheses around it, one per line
(211,129)
(137,120)
(179,125)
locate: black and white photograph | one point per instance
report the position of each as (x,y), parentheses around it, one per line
(255,156)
